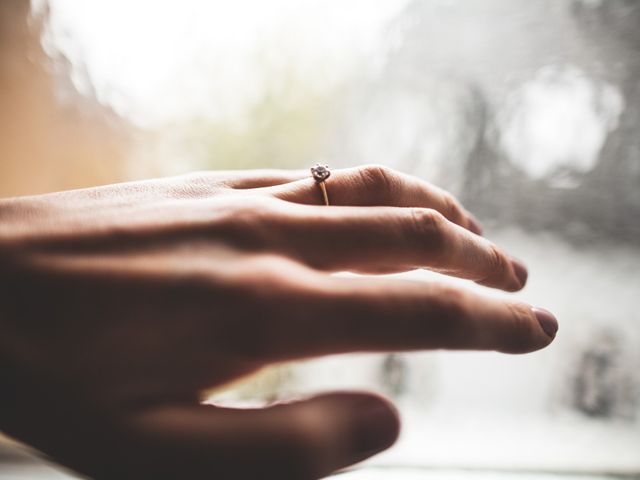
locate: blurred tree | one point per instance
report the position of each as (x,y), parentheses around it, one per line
(287,126)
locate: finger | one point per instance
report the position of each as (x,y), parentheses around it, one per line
(302,440)
(259,178)
(339,315)
(388,239)
(375,185)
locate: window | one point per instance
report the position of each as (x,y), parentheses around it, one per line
(529,111)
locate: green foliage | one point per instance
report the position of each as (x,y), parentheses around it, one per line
(285,127)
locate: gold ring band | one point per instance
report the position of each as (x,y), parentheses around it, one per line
(325,197)
(320,173)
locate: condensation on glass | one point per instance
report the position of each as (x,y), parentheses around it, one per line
(529,111)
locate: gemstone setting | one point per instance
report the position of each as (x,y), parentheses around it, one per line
(320,172)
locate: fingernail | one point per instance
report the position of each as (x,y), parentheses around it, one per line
(474,225)
(547,321)
(376,426)
(520,270)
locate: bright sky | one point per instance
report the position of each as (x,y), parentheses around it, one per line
(154,59)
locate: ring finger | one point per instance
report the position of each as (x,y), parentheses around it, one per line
(374,185)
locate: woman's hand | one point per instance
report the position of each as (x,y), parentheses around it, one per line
(120,304)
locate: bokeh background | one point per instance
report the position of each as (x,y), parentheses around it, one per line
(528,110)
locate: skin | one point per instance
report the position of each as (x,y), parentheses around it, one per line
(120,304)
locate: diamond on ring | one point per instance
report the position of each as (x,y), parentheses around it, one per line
(320,172)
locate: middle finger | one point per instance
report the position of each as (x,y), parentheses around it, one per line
(390,239)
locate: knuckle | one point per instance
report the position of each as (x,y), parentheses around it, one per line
(380,179)
(427,221)
(451,325)
(497,263)
(452,208)
(519,334)
(265,300)
(451,304)
(428,227)
(250,223)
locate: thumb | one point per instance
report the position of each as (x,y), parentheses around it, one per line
(299,440)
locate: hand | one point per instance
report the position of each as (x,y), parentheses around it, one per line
(120,304)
